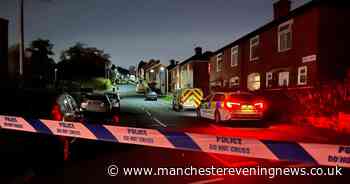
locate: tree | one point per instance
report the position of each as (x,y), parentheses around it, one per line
(80,62)
(40,65)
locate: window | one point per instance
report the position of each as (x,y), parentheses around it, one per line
(234,56)
(283,79)
(219,62)
(285,36)
(302,75)
(254,81)
(254,45)
(234,82)
(218,83)
(209,67)
(269,79)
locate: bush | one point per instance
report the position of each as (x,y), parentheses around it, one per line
(97,84)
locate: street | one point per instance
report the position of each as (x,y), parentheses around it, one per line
(89,160)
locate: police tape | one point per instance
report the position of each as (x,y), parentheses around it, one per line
(317,154)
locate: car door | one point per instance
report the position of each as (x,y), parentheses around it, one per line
(215,103)
(205,105)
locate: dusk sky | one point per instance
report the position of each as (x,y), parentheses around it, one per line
(134,30)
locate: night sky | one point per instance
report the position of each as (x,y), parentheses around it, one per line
(134,30)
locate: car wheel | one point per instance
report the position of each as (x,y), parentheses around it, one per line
(173,106)
(217,117)
(199,115)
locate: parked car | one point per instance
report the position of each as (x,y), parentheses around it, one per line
(140,88)
(96,103)
(39,103)
(98,108)
(115,101)
(151,95)
(226,106)
(189,98)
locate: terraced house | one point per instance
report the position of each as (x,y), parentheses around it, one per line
(297,49)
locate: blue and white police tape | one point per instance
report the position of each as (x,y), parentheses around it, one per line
(318,154)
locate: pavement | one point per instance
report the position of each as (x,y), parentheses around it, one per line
(33,158)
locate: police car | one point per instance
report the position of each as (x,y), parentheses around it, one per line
(226,106)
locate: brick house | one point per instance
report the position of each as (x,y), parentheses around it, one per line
(192,72)
(3,49)
(297,49)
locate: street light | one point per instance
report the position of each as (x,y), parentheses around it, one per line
(162,68)
(152,71)
(20,35)
(56,74)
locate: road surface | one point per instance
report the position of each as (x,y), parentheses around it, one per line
(28,158)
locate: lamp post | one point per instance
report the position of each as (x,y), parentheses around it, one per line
(20,25)
(161,79)
(56,74)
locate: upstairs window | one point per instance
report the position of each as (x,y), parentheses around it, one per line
(234,82)
(234,56)
(302,75)
(219,62)
(254,45)
(285,36)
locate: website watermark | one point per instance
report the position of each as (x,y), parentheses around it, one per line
(270,172)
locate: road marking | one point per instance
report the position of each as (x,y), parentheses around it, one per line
(153,118)
(159,122)
(207,181)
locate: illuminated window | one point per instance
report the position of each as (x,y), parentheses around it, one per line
(302,75)
(219,62)
(253,81)
(234,56)
(285,36)
(269,80)
(254,45)
(234,82)
(283,79)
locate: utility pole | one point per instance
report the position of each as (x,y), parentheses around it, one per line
(20,28)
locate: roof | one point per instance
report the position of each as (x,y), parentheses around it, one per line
(123,71)
(198,57)
(2,20)
(275,22)
(169,67)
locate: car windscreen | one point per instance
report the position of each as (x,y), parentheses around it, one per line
(96,97)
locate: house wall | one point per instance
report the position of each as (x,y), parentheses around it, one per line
(201,76)
(334,41)
(3,49)
(305,42)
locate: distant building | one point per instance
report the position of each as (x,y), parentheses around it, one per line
(3,49)
(171,74)
(192,72)
(155,74)
(296,50)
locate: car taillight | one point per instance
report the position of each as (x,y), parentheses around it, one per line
(259,105)
(116,119)
(56,113)
(232,105)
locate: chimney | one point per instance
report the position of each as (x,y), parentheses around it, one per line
(198,50)
(281,8)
